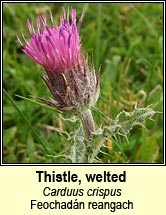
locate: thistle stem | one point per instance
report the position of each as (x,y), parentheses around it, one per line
(88,123)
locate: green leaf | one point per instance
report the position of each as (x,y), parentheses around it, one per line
(9,135)
(38,137)
(38,103)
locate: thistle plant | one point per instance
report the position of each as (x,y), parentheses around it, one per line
(73,84)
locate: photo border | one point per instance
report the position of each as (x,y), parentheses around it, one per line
(83,164)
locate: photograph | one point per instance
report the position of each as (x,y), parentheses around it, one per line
(82,83)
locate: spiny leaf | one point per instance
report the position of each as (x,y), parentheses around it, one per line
(126,121)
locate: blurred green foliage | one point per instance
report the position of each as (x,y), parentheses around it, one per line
(126,40)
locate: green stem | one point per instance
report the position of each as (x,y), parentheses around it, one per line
(88,123)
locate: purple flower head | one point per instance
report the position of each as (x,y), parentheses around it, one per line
(55,48)
(58,50)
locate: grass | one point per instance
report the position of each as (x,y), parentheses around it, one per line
(126,40)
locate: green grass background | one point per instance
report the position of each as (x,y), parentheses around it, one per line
(126,40)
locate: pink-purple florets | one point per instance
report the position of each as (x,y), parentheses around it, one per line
(56,48)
